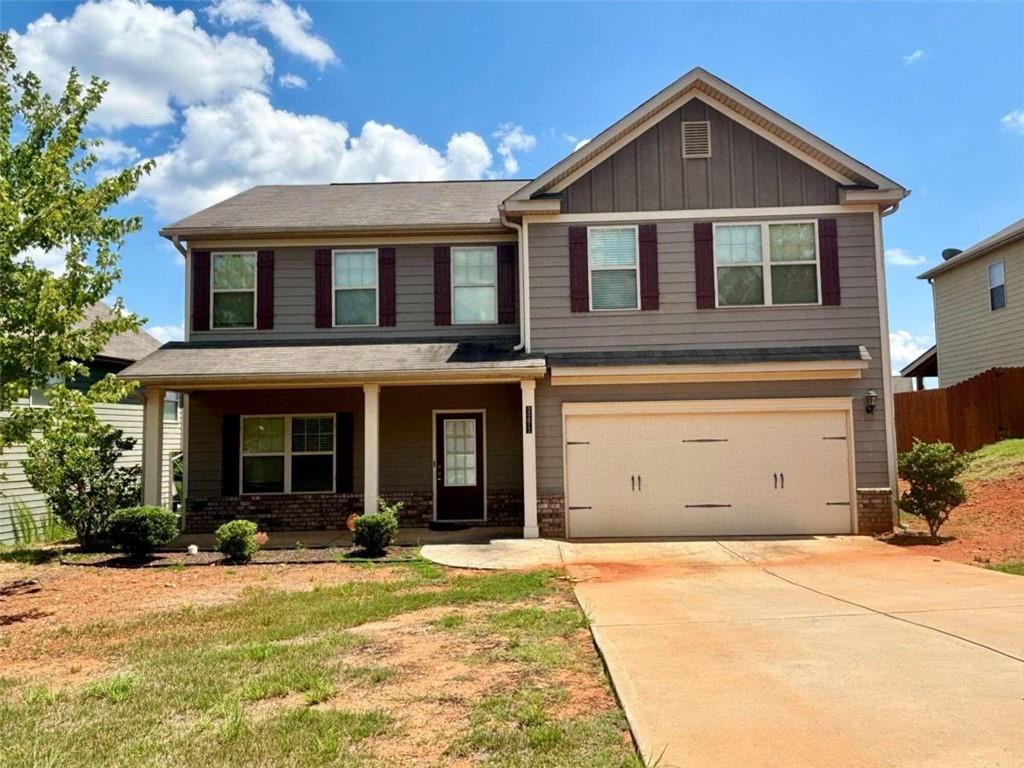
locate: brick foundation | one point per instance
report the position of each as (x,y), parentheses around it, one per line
(874,510)
(551,516)
(329,511)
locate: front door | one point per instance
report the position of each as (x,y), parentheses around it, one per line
(459,466)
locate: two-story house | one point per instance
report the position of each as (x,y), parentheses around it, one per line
(679,329)
(978,296)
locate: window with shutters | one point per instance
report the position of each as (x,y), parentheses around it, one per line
(474,285)
(767,263)
(614,265)
(288,454)
(355,288)
(996,285)
(233,290)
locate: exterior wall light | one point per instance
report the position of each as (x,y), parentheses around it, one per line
(870,401)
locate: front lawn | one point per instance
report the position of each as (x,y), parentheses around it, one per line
(407,664)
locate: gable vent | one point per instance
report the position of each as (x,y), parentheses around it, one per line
(696,139)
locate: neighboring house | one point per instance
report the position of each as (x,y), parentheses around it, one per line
(978,296)
(679,329)
(120,351)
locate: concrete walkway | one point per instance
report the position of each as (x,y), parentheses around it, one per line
(800,652)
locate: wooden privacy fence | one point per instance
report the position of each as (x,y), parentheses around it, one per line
(983,409)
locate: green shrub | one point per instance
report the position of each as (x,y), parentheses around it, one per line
(375,533)
(932,470)
(237,539)
(139,530)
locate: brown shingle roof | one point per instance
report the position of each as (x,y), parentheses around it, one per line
(314,208)
(129,347)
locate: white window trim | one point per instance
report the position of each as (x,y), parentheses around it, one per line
(255,288)
(453,286)
(766,262)
(287,453)
(335,288)
(619,268)
(988,279)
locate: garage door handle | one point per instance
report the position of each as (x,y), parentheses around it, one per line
(632,483)
(639,482)
(776,476)
(782,479)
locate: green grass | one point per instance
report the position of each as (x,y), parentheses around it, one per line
(1016,567)
(264,681)
(996,461)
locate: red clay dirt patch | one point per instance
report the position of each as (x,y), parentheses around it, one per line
(987,528)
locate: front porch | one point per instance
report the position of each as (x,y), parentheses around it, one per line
(407,537)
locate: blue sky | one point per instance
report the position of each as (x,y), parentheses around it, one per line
(235,92)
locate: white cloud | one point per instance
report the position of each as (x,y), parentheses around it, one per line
(52,260)
(900,257)
(512,138)
(914,57)
(289,26)
(112,152)
(154,57)
(226,148)
(290,80)
(165,333)
(581,143)
(905,347)
(1014,121)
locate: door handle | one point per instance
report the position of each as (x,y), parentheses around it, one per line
(782,478)
(632,483)
(776,476)
(639,482)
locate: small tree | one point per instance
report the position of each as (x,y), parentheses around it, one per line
(73,461)
(932,470)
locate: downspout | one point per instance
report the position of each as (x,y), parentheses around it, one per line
(524,276)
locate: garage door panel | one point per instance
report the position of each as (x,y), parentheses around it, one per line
(708,474)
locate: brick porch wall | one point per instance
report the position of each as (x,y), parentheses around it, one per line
(328,511)
(874,510)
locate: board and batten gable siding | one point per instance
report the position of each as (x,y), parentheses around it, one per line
(124,416)
(294,302)
(744,171)
(972,337)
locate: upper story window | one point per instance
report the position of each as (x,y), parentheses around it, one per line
(766,264)
(287,454)
(355,287)
(474,285)
(614,261)
(996,285)
(234,290)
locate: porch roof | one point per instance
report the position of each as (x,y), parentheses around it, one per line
(206,365)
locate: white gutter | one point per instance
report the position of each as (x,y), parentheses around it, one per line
(524,278)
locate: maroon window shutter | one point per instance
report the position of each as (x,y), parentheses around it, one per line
(579,278)
(506,283)
(200,290)
(322,269)
(648,266)
(828,252)
(704,264)
(386,278)
(442,285)
(264,289)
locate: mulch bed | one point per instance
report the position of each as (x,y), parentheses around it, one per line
(263,557)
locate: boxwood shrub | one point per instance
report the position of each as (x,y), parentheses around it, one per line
(237,539)
(137,531)
(375,533)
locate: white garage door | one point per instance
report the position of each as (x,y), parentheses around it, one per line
(693,473)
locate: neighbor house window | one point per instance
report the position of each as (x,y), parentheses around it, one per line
(287,454)
(234,290)
(614,268)
(765,264)
(474,285)
(996,285)
(355,287)
(171,406)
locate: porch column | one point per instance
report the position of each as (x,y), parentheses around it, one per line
(371,447)
(152,446)
(530,529)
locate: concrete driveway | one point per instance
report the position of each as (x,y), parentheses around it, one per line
(814,652)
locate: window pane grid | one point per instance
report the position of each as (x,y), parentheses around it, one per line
(614,268)
(355,287)
(474,286)
(287,454)
(233,290)
(766,264)
(460,452)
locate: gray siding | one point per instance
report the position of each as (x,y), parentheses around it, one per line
(414,295)
(406,429)
(744,171)
(971,337)
(869,429)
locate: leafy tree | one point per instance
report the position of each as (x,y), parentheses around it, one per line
(73,460)
(49,204)
(932,470)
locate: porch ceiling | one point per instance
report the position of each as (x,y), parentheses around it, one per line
(208,365)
